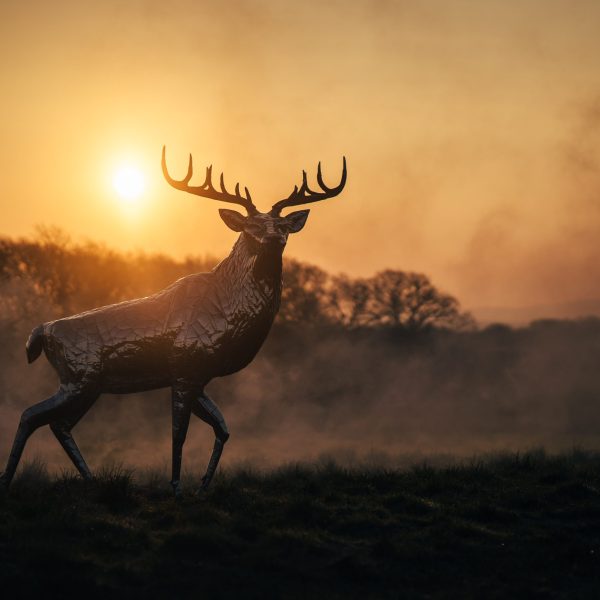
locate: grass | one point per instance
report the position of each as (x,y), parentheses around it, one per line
(518,526)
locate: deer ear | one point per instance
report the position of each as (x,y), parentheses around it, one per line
(296,220)
(233,219)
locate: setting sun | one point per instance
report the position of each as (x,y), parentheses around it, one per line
(128,183)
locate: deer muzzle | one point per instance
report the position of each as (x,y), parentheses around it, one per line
(274,239)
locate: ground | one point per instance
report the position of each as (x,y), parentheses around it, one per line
(511,526)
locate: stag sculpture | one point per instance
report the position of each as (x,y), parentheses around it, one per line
(202,326)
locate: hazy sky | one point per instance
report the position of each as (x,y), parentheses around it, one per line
(471,129)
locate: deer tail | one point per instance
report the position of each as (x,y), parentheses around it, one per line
(35,343)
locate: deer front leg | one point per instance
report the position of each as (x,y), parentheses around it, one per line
(204,408)
(181,407)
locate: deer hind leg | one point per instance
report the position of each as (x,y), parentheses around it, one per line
(59,406)
(181,408)
(204,408)
(62,430)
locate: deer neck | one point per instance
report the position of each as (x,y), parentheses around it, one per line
(250,266)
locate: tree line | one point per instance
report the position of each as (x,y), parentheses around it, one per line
(72,277)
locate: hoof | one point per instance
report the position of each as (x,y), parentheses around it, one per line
(177,493)
(204,485)
(3,484)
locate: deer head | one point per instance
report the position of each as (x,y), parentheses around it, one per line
(264,231)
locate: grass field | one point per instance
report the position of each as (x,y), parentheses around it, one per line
(518,526)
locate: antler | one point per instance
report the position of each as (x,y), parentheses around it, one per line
(304,195)
(207,190)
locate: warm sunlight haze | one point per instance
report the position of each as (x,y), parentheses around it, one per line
(471,130)
(339,260)
(129,183)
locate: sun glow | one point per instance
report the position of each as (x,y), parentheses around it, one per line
(129,183)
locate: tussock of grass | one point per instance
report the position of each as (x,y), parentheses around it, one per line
(516,525)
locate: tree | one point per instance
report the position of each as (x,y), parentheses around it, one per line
(395,299)
(304,295)
(349,301)
(411,301)
(73,277)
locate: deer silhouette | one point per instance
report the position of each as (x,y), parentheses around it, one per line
(202,326)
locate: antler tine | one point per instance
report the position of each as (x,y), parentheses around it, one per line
(206,190)
(222,182)
(190,168)
(304,186)
(207,178)
(304,195)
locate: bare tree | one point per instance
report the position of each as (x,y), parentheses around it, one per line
(349,301)
(304,296)
(411,301)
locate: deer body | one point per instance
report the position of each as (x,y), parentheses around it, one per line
(202,326)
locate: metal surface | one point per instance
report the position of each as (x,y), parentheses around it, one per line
(202,326)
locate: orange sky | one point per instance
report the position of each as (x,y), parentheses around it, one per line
(472,130)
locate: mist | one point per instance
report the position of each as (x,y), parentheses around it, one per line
(320,393)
